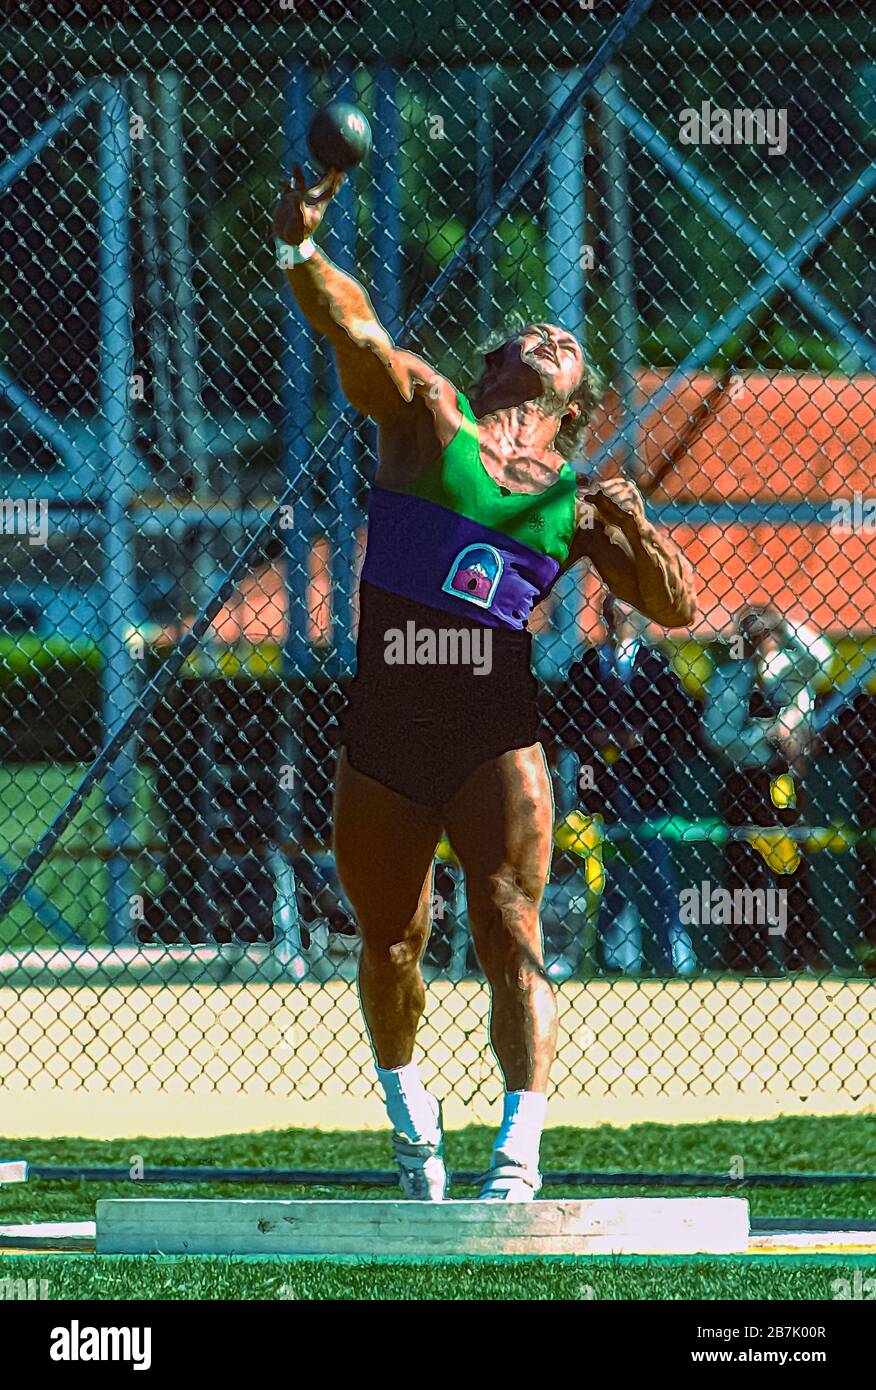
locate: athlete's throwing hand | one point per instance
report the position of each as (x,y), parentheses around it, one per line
(301,209)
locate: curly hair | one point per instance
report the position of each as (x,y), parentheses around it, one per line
(587,394)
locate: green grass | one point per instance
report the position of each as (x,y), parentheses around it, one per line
(31,796)
(155,1277)
(832,1143)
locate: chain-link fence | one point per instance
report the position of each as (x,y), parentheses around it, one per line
(704,221)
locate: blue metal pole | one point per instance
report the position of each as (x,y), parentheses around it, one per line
(298,376)
(386,241)
(386,275)
(340,460)
(184,341)
(625,349)
(565,233)
(565,239)
(201,573)
(298,388)
(120,677)
(156,324)
(485,180)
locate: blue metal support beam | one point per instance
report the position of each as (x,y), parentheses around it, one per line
(709,196)
(166,519)
(40,421)
(296,530)
(340,244)
(625,348)
(201,572)
(156,323)
(298,377)
(724,328)
(44,135)
(485,178)
(566,260)
(386,162)
(120,675)
(173,196)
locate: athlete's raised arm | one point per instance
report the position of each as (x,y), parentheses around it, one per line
(382,381)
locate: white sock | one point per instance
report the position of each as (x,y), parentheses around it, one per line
(410,1108)
(519,1137)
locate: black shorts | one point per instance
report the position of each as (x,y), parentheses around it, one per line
(422,730)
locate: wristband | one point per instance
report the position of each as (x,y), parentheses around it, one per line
(289,256)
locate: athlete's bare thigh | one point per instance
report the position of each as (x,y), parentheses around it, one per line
(500,825)
(384,847)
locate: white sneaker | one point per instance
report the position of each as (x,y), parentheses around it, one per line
(510,1182)
(422,1172)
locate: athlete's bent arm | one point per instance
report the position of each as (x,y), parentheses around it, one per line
(637,561)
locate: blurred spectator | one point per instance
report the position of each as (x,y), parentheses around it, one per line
(851,738)
(757,718)
(624,711)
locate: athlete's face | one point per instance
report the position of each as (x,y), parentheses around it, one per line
(541,360)
(555,354)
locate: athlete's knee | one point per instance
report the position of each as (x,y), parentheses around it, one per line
(515,967)
(408,950)
(397,950)
(512,897)
(505,922)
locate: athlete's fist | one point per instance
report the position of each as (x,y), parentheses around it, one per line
(616,502)
(301,209)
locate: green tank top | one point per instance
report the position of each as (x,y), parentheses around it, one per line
(453,538)
(544,521)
